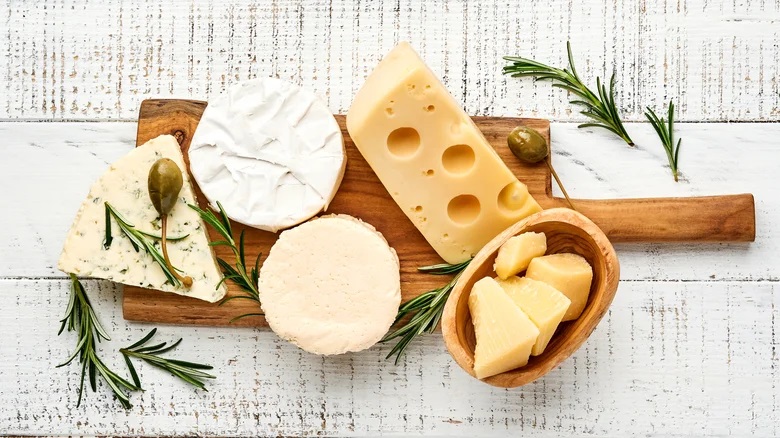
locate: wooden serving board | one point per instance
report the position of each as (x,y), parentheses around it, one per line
(713,218)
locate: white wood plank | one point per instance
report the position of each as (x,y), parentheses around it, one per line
(49,168)
(670,359)
(74,59)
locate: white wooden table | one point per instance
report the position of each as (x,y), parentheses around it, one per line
(689,347)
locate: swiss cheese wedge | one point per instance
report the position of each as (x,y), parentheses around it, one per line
(505,334)
(432,158)
(124,186)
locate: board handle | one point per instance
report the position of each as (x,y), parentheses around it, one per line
(730,218)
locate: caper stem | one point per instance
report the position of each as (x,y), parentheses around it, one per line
(558,180)
(186,281)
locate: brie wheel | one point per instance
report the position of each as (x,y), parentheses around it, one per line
(271,152)
(125,186)
(331,285)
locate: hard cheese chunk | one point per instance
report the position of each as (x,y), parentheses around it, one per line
(516,253)
(432,158)
(505,335)
(569,273)
(124,186)
(541,302)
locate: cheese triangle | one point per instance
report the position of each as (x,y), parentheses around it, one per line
(544,304)
(505,334)
(124,186)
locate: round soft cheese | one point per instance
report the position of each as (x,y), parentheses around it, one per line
(270,152)
(331,285)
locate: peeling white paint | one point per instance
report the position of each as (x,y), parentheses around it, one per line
(689,347)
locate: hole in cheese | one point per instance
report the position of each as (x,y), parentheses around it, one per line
(458,159)
(418,208)
(430,108)
(389,111)
(513,196)
(403,142)
(429,172)
(463,209)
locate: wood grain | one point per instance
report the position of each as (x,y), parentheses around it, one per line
(728,218)
(689,346)
(567,232)
(360,195)
(670,358)
(72,59)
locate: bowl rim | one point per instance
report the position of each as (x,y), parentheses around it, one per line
(585,324)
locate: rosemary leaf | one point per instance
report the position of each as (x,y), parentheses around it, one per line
(139,240)
(665,131)
(425,310)
(80,316)
(237,271)
(186,371)
(599,106)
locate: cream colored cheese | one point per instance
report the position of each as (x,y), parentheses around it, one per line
(124,186)
(541,302)
(516,253)
(271,152)
(505,335)
(569,273)
(331,285)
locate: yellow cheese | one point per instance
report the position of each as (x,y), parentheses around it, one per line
(505,335)
(432,158)
(544,304)
(569,273)
(516,253)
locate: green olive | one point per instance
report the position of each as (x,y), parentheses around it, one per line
(165,183)
(528,145)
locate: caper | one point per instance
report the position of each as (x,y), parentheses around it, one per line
(528,145)
(165,183)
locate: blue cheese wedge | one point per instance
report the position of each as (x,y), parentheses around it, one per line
(124,186)
(331,285)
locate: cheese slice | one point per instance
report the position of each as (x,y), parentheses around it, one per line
(124,186)
(516,253)
(271,152)
(541,302)
(569,273)
(432,158)
(505,335)
(331,285)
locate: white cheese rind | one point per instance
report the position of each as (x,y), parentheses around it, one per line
(331,285)
(271,152)
(124,186)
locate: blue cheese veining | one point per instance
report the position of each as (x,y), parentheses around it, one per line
(124,186)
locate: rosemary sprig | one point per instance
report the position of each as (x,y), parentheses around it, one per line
(237,272)
(599,106)
(425,310)
(190,372)
(139,240)
(666,134)
(81,317)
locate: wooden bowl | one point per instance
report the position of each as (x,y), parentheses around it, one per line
(567,231)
